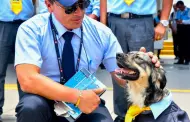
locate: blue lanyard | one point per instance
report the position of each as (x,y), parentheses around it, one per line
(54,32)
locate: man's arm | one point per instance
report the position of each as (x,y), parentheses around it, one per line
(95,9)
(167,5)
(160,29)
(103,11)
(31,81)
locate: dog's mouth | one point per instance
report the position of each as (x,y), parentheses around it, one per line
(126,72)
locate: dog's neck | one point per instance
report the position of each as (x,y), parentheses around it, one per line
(141,98)
(134,97)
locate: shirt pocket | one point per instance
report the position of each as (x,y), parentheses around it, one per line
(94,64)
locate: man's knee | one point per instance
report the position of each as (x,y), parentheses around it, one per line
(33,106)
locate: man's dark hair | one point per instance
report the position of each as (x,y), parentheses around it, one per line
(52,1)
(179,3)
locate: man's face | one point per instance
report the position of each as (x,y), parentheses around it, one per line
(69,21)
(175,8)
(181,7)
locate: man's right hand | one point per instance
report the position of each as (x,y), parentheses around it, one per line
(89,100)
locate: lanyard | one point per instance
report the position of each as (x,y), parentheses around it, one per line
(54,32)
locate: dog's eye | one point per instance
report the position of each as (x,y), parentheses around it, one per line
(139,58)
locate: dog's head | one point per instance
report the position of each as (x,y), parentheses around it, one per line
(144,82)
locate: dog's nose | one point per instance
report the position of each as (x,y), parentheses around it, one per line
(119,55)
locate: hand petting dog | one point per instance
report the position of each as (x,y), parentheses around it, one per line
(155,61)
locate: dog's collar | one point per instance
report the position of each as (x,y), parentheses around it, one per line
(159,107)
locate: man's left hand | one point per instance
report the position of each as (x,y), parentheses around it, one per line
(151,55)
(159,31)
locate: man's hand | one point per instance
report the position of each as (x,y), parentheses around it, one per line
(93,16)
(89,100)
(154,58)
(159,31)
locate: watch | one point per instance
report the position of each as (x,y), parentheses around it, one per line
(164,22)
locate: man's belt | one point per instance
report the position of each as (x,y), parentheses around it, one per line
(129,15)
(14,21)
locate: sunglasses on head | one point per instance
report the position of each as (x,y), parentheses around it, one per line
(82,4)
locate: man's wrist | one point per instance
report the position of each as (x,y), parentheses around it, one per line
(164,23)
(74,95)
(79,98)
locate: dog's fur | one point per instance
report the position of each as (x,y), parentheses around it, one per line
(144,82)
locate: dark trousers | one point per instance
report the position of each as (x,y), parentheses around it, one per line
(132,34)
(8,32)
(175,44)
(184,42)
(34,108)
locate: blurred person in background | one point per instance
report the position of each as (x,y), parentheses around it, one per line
(173,26)
(183,31)
(12,14)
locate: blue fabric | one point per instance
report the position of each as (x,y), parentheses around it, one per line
(42,7)
(67,2)
(159,107)
(140,7)
(157,20)
(183,15)
(68,63)
(172,114)
(7,15)
(34,45)
(94,8)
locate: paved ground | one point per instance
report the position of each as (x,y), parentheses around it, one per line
(177,75)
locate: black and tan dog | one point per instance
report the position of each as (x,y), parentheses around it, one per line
(145,90)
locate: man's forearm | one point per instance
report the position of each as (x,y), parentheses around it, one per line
(35,83)
(103,11)
(167,5)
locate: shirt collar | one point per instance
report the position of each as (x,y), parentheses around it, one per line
(159,107)
(61,29)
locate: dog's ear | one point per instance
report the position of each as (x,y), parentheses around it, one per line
(157,83)
(159,78)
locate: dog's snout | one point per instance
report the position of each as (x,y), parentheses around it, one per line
(119,55)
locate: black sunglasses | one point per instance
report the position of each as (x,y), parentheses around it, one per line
(82,4)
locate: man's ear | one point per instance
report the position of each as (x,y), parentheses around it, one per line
(49,6)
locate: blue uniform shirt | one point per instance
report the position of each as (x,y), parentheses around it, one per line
(94,8)
(35,45)
(7,15)
(184,15)
(42,7)
(140,7)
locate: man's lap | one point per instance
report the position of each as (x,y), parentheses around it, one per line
(101,114)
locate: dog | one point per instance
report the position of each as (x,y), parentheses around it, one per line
(145,88)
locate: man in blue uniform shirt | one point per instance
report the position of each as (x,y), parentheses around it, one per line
(35,51)
(132,23)
(183,30)
(12,14)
